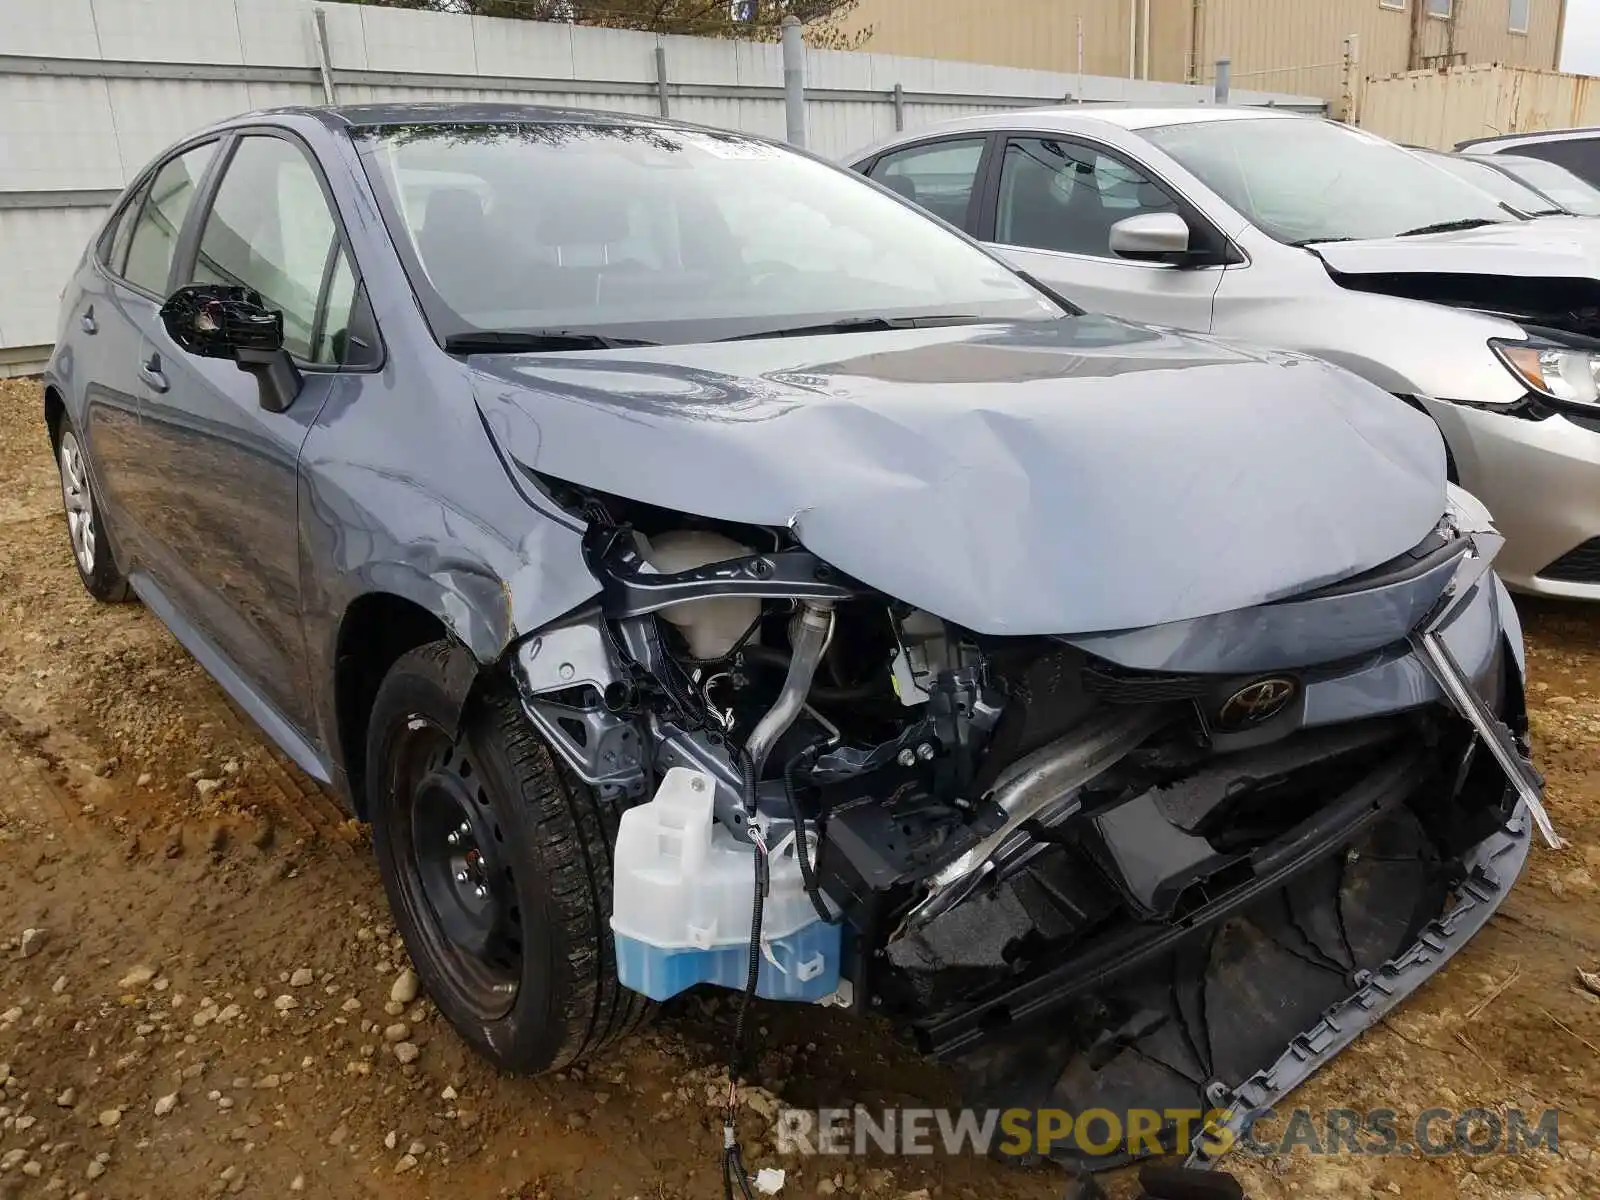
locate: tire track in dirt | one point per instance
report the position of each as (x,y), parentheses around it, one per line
(289,793)
(29,794)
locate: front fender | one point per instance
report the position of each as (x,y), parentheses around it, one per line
(1406,347)
(402,494)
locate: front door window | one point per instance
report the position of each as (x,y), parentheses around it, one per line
(1055,195)
(270,229)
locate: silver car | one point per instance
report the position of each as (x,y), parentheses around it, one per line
(1555,183)
(1305,234)
(1523,199)
(1578,150)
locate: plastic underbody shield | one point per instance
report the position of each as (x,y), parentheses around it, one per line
(1243,1010)
(1260,975)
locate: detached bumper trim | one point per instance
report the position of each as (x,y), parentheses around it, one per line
(947,1034)
(1492,869)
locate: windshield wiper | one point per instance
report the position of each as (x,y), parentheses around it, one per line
(860,325)
(1452,226)
(1060,301)
(1320,241)
(515,341)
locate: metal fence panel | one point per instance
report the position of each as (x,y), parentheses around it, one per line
(39,247)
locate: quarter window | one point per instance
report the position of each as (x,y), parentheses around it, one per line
(155,233)
(114,248)
(1058,196)
(940,177)
(270,230)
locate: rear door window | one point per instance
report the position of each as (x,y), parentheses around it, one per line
(155,233)
(940,176)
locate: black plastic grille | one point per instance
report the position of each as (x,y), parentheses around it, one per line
(1576,566)
(1120,685)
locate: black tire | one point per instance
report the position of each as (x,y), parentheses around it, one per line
(525,970)
(86,534)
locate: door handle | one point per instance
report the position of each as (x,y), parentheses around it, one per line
(87,322)
(151,375)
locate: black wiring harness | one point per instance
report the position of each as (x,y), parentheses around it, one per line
(807,874)
(740,1062)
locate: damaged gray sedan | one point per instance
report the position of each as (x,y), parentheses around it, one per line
(702,568)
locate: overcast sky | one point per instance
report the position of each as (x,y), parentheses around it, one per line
(1581,51)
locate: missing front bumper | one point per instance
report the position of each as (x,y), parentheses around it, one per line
(1233,1014)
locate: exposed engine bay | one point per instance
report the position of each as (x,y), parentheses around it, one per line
(1027,854)
(1552,305)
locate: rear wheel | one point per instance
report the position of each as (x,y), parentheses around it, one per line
(497,864)
(91,552)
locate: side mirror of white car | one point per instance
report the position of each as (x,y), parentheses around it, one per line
(1151,237)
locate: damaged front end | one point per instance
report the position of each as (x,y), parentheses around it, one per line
(1170,868)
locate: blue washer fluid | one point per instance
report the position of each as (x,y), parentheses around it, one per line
(681,904)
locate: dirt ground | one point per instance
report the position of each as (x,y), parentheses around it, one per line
(203,1004)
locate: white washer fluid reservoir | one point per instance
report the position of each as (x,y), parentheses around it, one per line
(681,905)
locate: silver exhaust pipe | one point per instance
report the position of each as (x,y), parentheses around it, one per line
(1039,782)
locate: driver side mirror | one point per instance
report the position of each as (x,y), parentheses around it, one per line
(220,321)
(1151,237)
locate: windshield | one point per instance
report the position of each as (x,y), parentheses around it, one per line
(1502,187)
(1307,180)
(1560,184)
(661,234)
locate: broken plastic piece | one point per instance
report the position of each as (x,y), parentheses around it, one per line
(1433,652)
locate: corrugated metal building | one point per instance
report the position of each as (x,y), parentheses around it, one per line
(1283,45)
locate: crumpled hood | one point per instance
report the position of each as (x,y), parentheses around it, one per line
(1070,476)
(1545,249)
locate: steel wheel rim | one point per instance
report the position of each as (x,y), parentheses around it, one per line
(78,501)
(459,885)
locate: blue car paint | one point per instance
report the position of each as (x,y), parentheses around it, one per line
(1071,478)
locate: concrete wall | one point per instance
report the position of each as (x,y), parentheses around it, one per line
(90,90)
(1440,109)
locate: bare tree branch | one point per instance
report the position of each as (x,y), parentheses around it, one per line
(760,21)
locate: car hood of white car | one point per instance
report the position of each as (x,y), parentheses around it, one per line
(1545,248)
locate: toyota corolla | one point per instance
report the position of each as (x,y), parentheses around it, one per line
(703,568)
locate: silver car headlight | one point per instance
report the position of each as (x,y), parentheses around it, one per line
(1559,372)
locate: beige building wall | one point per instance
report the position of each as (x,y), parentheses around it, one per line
(1293,46)
(1039,34)
(1482,37)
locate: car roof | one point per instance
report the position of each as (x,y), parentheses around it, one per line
(1528,139)
(1086,118)
(344,117)
(1125,116)
(1507,159)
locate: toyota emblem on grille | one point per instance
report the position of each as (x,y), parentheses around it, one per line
(1256,703)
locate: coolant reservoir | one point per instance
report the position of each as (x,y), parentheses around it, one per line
(711,627)
(681,903)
